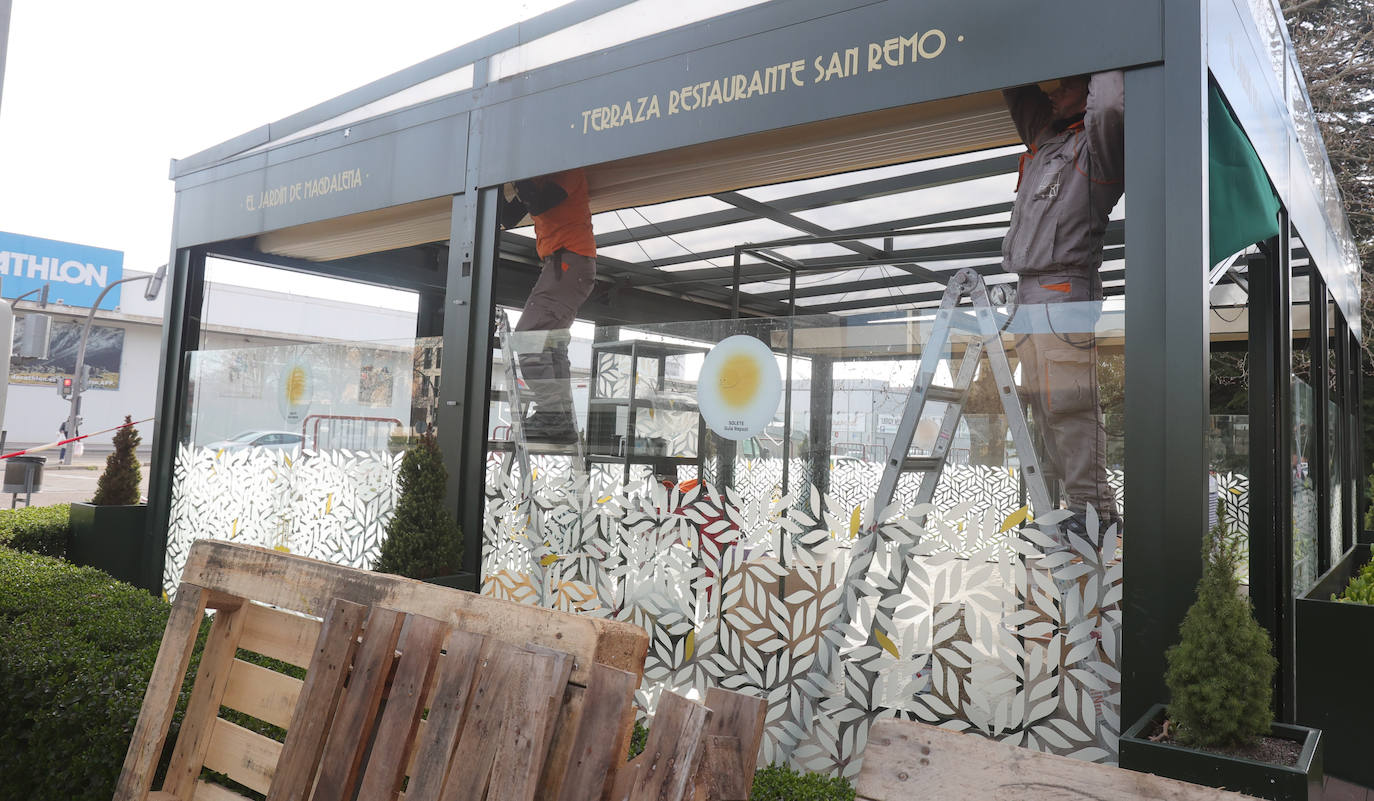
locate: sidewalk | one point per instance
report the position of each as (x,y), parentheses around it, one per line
(71,483)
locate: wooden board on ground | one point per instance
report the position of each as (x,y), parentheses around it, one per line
(905,760)
(309,585)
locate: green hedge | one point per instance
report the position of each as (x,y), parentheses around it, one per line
(76,650)
(781,783)
(36,529)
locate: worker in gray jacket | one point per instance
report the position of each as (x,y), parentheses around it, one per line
(1070,179)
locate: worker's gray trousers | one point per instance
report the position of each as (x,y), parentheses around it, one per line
(1057,348)
(564,283)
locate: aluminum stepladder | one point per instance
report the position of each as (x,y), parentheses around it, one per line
(985,324)
(520,447)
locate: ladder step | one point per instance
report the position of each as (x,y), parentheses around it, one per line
(921,464)
(944,395)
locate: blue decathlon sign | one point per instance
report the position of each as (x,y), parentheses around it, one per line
(77,273)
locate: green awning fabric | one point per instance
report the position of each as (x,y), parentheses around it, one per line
(1241,203)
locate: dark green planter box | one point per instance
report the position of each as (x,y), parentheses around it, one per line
(110,538)
(1300,782)
(458,581)
(1335,682)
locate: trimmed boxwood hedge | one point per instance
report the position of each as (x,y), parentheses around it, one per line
(76,650)
(36,529)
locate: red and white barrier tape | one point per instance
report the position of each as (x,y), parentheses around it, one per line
(61,442)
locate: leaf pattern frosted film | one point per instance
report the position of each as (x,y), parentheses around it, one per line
(994,628)
(331,505)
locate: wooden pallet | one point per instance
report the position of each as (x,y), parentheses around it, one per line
(457,696)
(905,760)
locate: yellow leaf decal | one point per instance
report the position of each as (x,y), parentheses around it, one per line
(328,502)
(234,530)
(165,599)
(887,644)
(1014,519)
(282,547)
(604,499)
(548,560)
(1235,490)
(690,647)
(854,521)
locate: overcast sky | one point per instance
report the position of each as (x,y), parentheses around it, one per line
(100,95)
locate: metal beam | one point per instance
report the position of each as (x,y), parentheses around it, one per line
(910,182)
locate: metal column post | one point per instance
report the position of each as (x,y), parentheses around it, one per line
(180,335)
(1166,352)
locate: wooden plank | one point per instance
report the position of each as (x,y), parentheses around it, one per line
(447,705)
(530,715)
(674,746)
(160,699)
(737,723)
(317,700)
(281,635)
(470,769)
(244,756)
(262,693)
(905,760)
(307,585)
(721,775)
(404,705)
(211,679)
(352,727)
(592,759)
(206,791)
(562,713)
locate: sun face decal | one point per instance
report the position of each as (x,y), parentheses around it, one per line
(740,387)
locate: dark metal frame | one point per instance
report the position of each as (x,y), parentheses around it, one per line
(1164,238)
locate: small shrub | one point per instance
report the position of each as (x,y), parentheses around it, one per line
(781,783)
(76,650)
(1360,590)
(1221,672)
(638,739)
(36,529)
(422,539)
(118,485)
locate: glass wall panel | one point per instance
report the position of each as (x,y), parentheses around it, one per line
(1305,532)
(764,498)
(294,447)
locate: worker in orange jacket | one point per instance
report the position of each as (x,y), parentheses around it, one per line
(560,208)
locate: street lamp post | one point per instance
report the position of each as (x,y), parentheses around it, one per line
(154,287)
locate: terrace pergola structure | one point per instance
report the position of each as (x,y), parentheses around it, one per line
(873,161)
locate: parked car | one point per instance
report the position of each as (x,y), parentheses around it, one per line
(276,440)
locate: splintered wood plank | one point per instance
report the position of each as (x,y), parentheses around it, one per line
(208,791)
(307,585)
(262,693)
(564,708)
(244,756)
(352,726)
(670,756)
(281,635)
(720,774)
(593,755)
(470,769)
(447,705)
(737,723)
(160,699)
(404,705)
(212,677)
(905,760)
(530,716)
(317,700)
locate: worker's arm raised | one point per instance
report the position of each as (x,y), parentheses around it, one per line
(1103,122)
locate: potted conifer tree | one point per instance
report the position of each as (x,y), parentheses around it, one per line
(423,540)
(109,532)
(1218,728)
